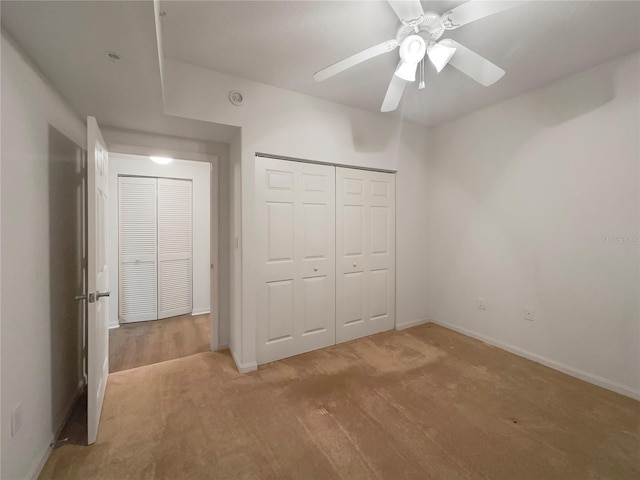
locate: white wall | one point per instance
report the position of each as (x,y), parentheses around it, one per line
(199,174)
(412,229)
(144,143)
(32,111)
(1,420)
(285,123)
(534,202)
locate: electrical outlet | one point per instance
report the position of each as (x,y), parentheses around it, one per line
(528,314)
(480,304)
(16,419)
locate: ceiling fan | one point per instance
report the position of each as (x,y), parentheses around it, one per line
(418,37)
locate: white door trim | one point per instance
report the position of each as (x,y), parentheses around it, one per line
(319,162)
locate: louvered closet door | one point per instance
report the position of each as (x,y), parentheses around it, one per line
(175,247)
(137,249)
(295,213)
(365,253)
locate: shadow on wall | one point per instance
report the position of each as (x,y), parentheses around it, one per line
(574,96)
(66,171)
(368,139)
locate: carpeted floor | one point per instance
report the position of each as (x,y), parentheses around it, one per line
(144,343)
(420,403)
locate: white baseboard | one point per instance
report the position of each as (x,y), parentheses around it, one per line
(222,347)
(412,324)
(111,327)
(244,367)
(41,461)
(200,312)
(69,409)
(561,367)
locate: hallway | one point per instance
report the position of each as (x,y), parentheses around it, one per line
(145,343)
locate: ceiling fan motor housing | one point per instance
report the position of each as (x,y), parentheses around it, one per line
(431,26)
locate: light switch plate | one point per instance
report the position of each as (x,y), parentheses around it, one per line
(481,305)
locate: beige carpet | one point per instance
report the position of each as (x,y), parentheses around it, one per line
(420,403)
(144,343)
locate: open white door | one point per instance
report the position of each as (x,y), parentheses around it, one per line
(98,276)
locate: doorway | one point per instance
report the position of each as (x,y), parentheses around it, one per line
(160,244)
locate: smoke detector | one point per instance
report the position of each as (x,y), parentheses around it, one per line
(236,98)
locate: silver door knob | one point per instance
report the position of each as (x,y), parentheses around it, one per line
(355,264)
(81,297)
(102,294)
(315,269)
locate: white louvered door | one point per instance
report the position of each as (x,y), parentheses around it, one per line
(175,250)
(137,249)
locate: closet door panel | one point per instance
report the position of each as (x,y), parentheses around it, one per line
(175,247)
(295,212)
(276,293)
(137,251)
(382,231)
(351,299)
(365,240)
(316,261)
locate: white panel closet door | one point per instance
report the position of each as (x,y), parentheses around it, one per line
(365,253)
(295,213)
(137,249)
(175,247)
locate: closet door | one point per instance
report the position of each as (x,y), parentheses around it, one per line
(175,249)
(295,212)
(365,253)
(137,252)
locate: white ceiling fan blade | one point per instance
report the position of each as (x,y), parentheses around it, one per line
(407,10)
(394,94)
(473,65)
(355,59)
(475,10)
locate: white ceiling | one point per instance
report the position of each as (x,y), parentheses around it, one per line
(68,41)
(282,43)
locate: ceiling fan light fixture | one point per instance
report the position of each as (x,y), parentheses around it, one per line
(412,51)
(407,71)
(439,55)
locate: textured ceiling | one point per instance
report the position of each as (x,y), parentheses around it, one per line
(283,43)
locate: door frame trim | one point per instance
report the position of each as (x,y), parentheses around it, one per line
(318,162)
